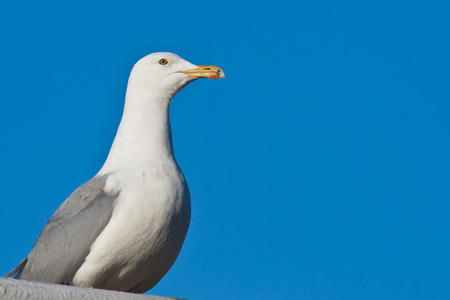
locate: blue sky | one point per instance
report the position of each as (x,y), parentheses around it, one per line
(319,167)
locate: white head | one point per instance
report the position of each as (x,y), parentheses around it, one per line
(163,74)
(145,124)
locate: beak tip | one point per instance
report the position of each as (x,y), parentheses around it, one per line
(221,74)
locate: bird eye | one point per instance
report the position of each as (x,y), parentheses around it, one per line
(163,61)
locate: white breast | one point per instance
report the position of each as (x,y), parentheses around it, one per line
(146,231)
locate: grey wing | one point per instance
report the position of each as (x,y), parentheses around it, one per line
(66,239)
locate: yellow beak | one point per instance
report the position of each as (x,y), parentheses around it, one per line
(212,72)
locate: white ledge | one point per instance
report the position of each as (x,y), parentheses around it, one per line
(22,289)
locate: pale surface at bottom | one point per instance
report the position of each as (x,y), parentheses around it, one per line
(22,289)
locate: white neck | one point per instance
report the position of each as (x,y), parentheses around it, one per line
(144,135)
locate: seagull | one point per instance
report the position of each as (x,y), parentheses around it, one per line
(123,229)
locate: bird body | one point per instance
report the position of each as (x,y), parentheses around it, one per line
(124,229)
(147,229)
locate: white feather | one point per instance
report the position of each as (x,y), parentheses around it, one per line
(152,211)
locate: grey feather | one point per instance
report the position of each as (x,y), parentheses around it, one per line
(67,237)
(19,268)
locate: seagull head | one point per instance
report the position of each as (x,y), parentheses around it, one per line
(163,74)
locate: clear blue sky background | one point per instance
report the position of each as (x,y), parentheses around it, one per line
(319,168)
